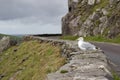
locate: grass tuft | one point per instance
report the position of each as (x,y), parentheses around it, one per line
(102,39)
(69,37)
(93,38)
(115,76)
(63,71)
(102,4)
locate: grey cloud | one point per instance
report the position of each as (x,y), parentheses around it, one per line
(12,9)
(31,16)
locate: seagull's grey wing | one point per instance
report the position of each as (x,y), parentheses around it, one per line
(88,46)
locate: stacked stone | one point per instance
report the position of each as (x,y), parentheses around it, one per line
(84,66)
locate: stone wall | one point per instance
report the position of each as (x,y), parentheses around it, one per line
(82,65)
(92,17)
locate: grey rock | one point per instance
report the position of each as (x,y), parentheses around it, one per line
(91,2)
(94,16)
(4,43)
(98,1)
(75,21)
(111,1)
(84,2)
(103,19)
(105,12)
(75,1)
(96,31)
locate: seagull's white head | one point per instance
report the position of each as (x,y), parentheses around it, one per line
(80,39)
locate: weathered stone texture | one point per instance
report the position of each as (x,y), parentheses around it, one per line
(4,43)
(92,17)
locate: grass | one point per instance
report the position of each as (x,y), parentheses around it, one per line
(93,38)
(30,61)
(102,39)
(102,4)
(115,76)
(18,39)
(63,71)
(69,37)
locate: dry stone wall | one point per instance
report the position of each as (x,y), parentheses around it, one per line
(82,65)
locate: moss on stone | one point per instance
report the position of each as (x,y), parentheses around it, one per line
(115,76)
(97,22)
(102,4)
(63,71)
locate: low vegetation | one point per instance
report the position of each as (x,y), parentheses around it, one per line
(63,71)
(15,38)
(93,38)
(30,60)
(102,39)
(69,37)
(115,76)
(102,4)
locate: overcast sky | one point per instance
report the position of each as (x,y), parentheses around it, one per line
(31,16)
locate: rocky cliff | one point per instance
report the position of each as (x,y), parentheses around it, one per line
(92,17)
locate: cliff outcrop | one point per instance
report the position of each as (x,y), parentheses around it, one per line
(92,17)
(4,43)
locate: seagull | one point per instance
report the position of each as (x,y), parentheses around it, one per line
(85,45)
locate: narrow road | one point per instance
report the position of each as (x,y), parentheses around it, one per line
(112,51)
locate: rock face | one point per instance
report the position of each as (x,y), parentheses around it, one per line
(92,17)
(4,43)
(82,65)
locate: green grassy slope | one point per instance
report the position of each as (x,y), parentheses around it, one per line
(30,60)
(18,39)
(93,38)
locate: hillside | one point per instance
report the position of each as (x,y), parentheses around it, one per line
(92,18)
(12,37)
(31,60)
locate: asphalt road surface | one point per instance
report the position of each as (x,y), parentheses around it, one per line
(111,50)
